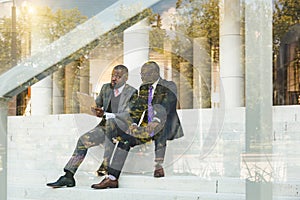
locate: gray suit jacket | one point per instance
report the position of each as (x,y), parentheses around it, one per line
(128,94)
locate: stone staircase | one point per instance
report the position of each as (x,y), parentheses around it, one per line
(196,166)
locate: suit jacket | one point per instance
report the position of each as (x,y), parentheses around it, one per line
(128,94)
(164,102)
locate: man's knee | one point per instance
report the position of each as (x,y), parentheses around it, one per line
(110,125)
(86,141)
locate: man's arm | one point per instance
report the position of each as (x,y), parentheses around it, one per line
(138,105)
(98,110)
(131,101)
(100,97)
(168,101)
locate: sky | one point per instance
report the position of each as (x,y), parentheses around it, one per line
(87,7)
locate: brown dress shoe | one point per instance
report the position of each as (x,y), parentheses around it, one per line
(106,183)
(159,172)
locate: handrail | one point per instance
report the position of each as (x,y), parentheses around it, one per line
(70,46)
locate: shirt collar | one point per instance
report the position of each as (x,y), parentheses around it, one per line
(120,89)
(155,84)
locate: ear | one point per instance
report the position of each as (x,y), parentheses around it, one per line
(126,77)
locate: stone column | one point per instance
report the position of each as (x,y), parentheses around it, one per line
(41,97)
(231,79)
(41,92)
(70,87)
(201,74)
(3,148)
(167,71)
(84,78)
(58,91)
(258,55)
(136,50)
(185,87)
(215,78)
(231,67)
(84,81)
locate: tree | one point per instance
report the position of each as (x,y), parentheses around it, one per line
(157,33)
(57,24)
(286,14)
(198,19)
(286,22)
(51,25)
(5,44)
(54,25)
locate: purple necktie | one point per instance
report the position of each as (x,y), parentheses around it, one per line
(150,108)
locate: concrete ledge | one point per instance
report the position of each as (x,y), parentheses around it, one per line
(38,178)
(80,193)
(39,147)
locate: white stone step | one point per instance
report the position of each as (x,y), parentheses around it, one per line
(39,147)
(85,192)
(180,183)
(80,193)
(38,178)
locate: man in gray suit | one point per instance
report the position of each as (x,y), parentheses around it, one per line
(112,103)
(155,111)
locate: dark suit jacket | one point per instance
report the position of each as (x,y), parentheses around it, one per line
(164,102)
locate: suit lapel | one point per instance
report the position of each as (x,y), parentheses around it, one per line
(157,92)
(108,99)
(123,98)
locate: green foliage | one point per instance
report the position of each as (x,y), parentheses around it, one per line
(5,44)
(157,34)
(51,25)
(286,14)
(198,19)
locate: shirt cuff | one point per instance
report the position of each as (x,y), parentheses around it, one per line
(109,115)
(156,119)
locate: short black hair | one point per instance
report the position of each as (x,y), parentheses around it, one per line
(121,67)
(152,64)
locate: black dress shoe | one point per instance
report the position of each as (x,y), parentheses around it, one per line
(63,181)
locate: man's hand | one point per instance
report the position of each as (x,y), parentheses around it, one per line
(98,111)
(151,126)
(132,129)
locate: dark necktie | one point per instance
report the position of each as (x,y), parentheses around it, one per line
(150,107)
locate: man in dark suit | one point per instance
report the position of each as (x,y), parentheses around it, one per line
(112,105)
(154,117)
